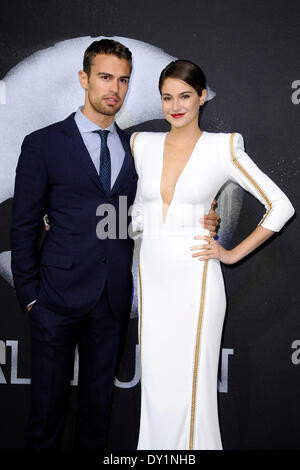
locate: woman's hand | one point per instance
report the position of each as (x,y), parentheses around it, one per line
(212,250)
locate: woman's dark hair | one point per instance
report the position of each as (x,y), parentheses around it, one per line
(186,71)
(105,46)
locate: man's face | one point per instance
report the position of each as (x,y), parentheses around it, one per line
(107,84)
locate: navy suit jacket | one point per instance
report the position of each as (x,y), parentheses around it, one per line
(55,175)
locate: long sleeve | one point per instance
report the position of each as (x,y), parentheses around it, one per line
(29,206)
(242,170)
(137,213)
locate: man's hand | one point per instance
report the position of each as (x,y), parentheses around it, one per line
(211,220)
(46,222)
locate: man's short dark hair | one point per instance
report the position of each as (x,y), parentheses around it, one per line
(105,46)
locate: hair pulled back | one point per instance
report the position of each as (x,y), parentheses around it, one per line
(186,71)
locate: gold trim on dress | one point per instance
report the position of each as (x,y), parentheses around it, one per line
(196,360)
(133,141)
(140,282)
(140,319)
(257,187)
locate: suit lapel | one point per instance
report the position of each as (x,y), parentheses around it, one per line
(79,150)
(123,173)
(82,156)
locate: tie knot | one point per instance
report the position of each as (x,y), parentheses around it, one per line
(103,134)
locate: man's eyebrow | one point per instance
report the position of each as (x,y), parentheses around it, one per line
(111,75)
(104,73)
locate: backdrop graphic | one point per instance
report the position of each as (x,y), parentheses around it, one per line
(250,54)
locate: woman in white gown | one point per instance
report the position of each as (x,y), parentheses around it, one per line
(181,289)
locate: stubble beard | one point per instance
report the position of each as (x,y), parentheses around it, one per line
(105,109)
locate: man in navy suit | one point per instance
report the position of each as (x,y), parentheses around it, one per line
(76,286)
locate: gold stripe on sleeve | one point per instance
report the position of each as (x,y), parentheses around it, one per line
(245,173)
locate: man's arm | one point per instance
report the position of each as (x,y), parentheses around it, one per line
(29,206)
(211,220)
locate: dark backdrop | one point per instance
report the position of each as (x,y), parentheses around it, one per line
(250,51)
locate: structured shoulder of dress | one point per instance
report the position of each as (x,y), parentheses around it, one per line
(146,135)
(229,135)
(225,137)
(217,135)
(141,139)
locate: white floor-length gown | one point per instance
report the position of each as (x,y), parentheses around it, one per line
(182,300)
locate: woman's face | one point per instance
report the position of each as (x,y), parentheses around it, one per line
(180,102)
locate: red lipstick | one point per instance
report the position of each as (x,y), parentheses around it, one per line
(178,115)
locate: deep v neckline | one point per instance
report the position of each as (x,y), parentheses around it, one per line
(179,177)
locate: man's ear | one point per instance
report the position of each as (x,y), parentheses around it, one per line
(83,78)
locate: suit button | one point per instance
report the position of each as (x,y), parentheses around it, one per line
(104,260)
(109,199)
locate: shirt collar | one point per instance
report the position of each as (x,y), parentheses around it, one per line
(85,125)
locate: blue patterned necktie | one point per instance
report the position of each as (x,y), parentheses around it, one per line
(105,164)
